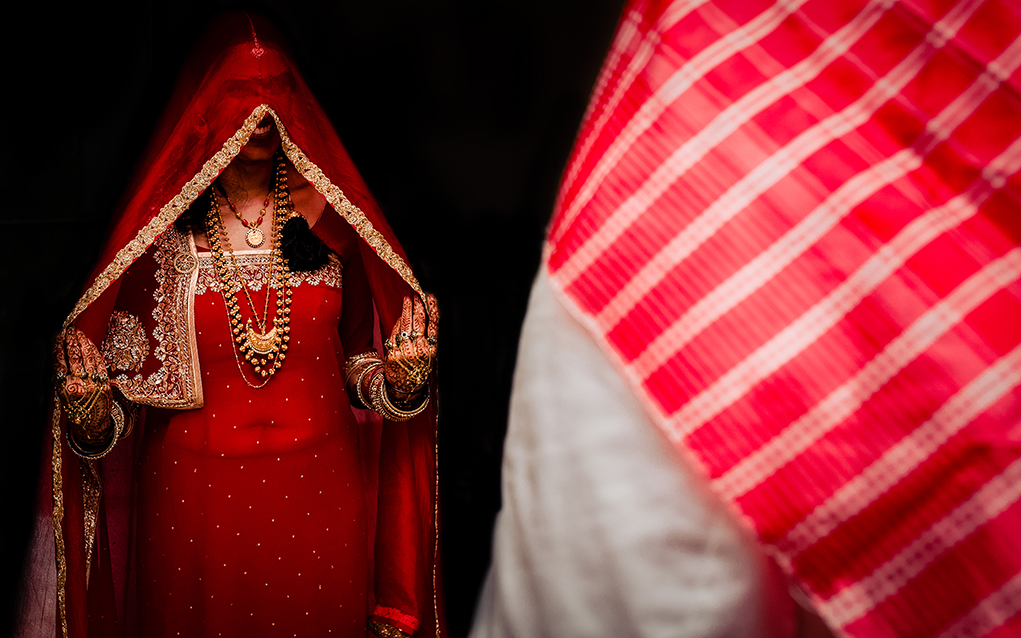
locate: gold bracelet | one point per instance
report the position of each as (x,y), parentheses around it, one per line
(382,404)
(117,417)
(361,376)
(354,360)
(386,631)
(397,413)
(127,408)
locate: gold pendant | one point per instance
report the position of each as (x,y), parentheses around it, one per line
(261,343)
(254,237)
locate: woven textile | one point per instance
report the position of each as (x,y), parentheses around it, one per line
(796,227)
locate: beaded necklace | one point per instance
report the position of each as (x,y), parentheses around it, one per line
(265,350)
(254,237)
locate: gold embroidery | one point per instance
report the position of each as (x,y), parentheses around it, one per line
(126,346)
(253,267)
(57,467)
(176,382)
(92,493)
(210,171)
(436,519)
(184,263)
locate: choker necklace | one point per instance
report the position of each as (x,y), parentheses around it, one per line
(254,237)
(262,345)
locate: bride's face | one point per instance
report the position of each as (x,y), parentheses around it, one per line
(263,143)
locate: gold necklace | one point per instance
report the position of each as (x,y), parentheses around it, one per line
(264,349)
(254,237)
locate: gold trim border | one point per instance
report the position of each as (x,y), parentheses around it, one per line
(210,171)
(92,494)
(436,512)
(57,465)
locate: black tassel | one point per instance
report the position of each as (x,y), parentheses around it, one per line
(301,248)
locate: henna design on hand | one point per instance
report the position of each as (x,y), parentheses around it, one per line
(411,348)
(83,387)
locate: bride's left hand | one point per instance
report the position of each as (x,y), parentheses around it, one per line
(411,348)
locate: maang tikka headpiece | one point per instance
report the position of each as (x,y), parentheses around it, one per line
(257,49)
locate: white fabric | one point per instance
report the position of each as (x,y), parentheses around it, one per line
(603,532)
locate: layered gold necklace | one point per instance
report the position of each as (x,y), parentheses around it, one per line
(263,344)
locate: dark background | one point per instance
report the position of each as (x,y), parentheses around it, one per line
(460,116)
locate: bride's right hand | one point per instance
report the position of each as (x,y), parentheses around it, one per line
(83,387)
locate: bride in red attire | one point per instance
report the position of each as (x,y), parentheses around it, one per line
(279,477)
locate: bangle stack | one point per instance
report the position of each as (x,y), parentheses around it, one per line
(381,402)
(364,374)
(369,369)
(123,414)
(355,369)
(97,449)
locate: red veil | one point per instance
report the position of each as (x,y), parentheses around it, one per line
(239,72)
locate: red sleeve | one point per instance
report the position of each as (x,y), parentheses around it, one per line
(356,319)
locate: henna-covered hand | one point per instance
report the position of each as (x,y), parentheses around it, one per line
(411,348)
(83,387)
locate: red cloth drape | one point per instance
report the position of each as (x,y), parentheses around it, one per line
(795,226)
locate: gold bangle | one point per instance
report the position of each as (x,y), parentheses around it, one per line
(386,631)
(382,404)
(400,414)
(117,418)
(361,376)
(354,360)
(128,409)
(375,383)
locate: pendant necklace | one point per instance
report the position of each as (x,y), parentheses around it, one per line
(264,344)
(254,237)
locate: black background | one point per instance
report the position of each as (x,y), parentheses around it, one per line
(460,116)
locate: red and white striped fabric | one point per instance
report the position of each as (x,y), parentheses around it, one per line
(796,227)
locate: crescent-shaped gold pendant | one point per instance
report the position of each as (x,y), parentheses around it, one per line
(263,344)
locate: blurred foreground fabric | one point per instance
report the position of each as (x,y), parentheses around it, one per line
(793,231)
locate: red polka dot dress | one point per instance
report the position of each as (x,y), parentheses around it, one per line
(251,510)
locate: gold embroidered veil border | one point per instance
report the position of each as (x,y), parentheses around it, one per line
(127,255)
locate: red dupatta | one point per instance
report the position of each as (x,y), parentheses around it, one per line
(795,228)
(240,72)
